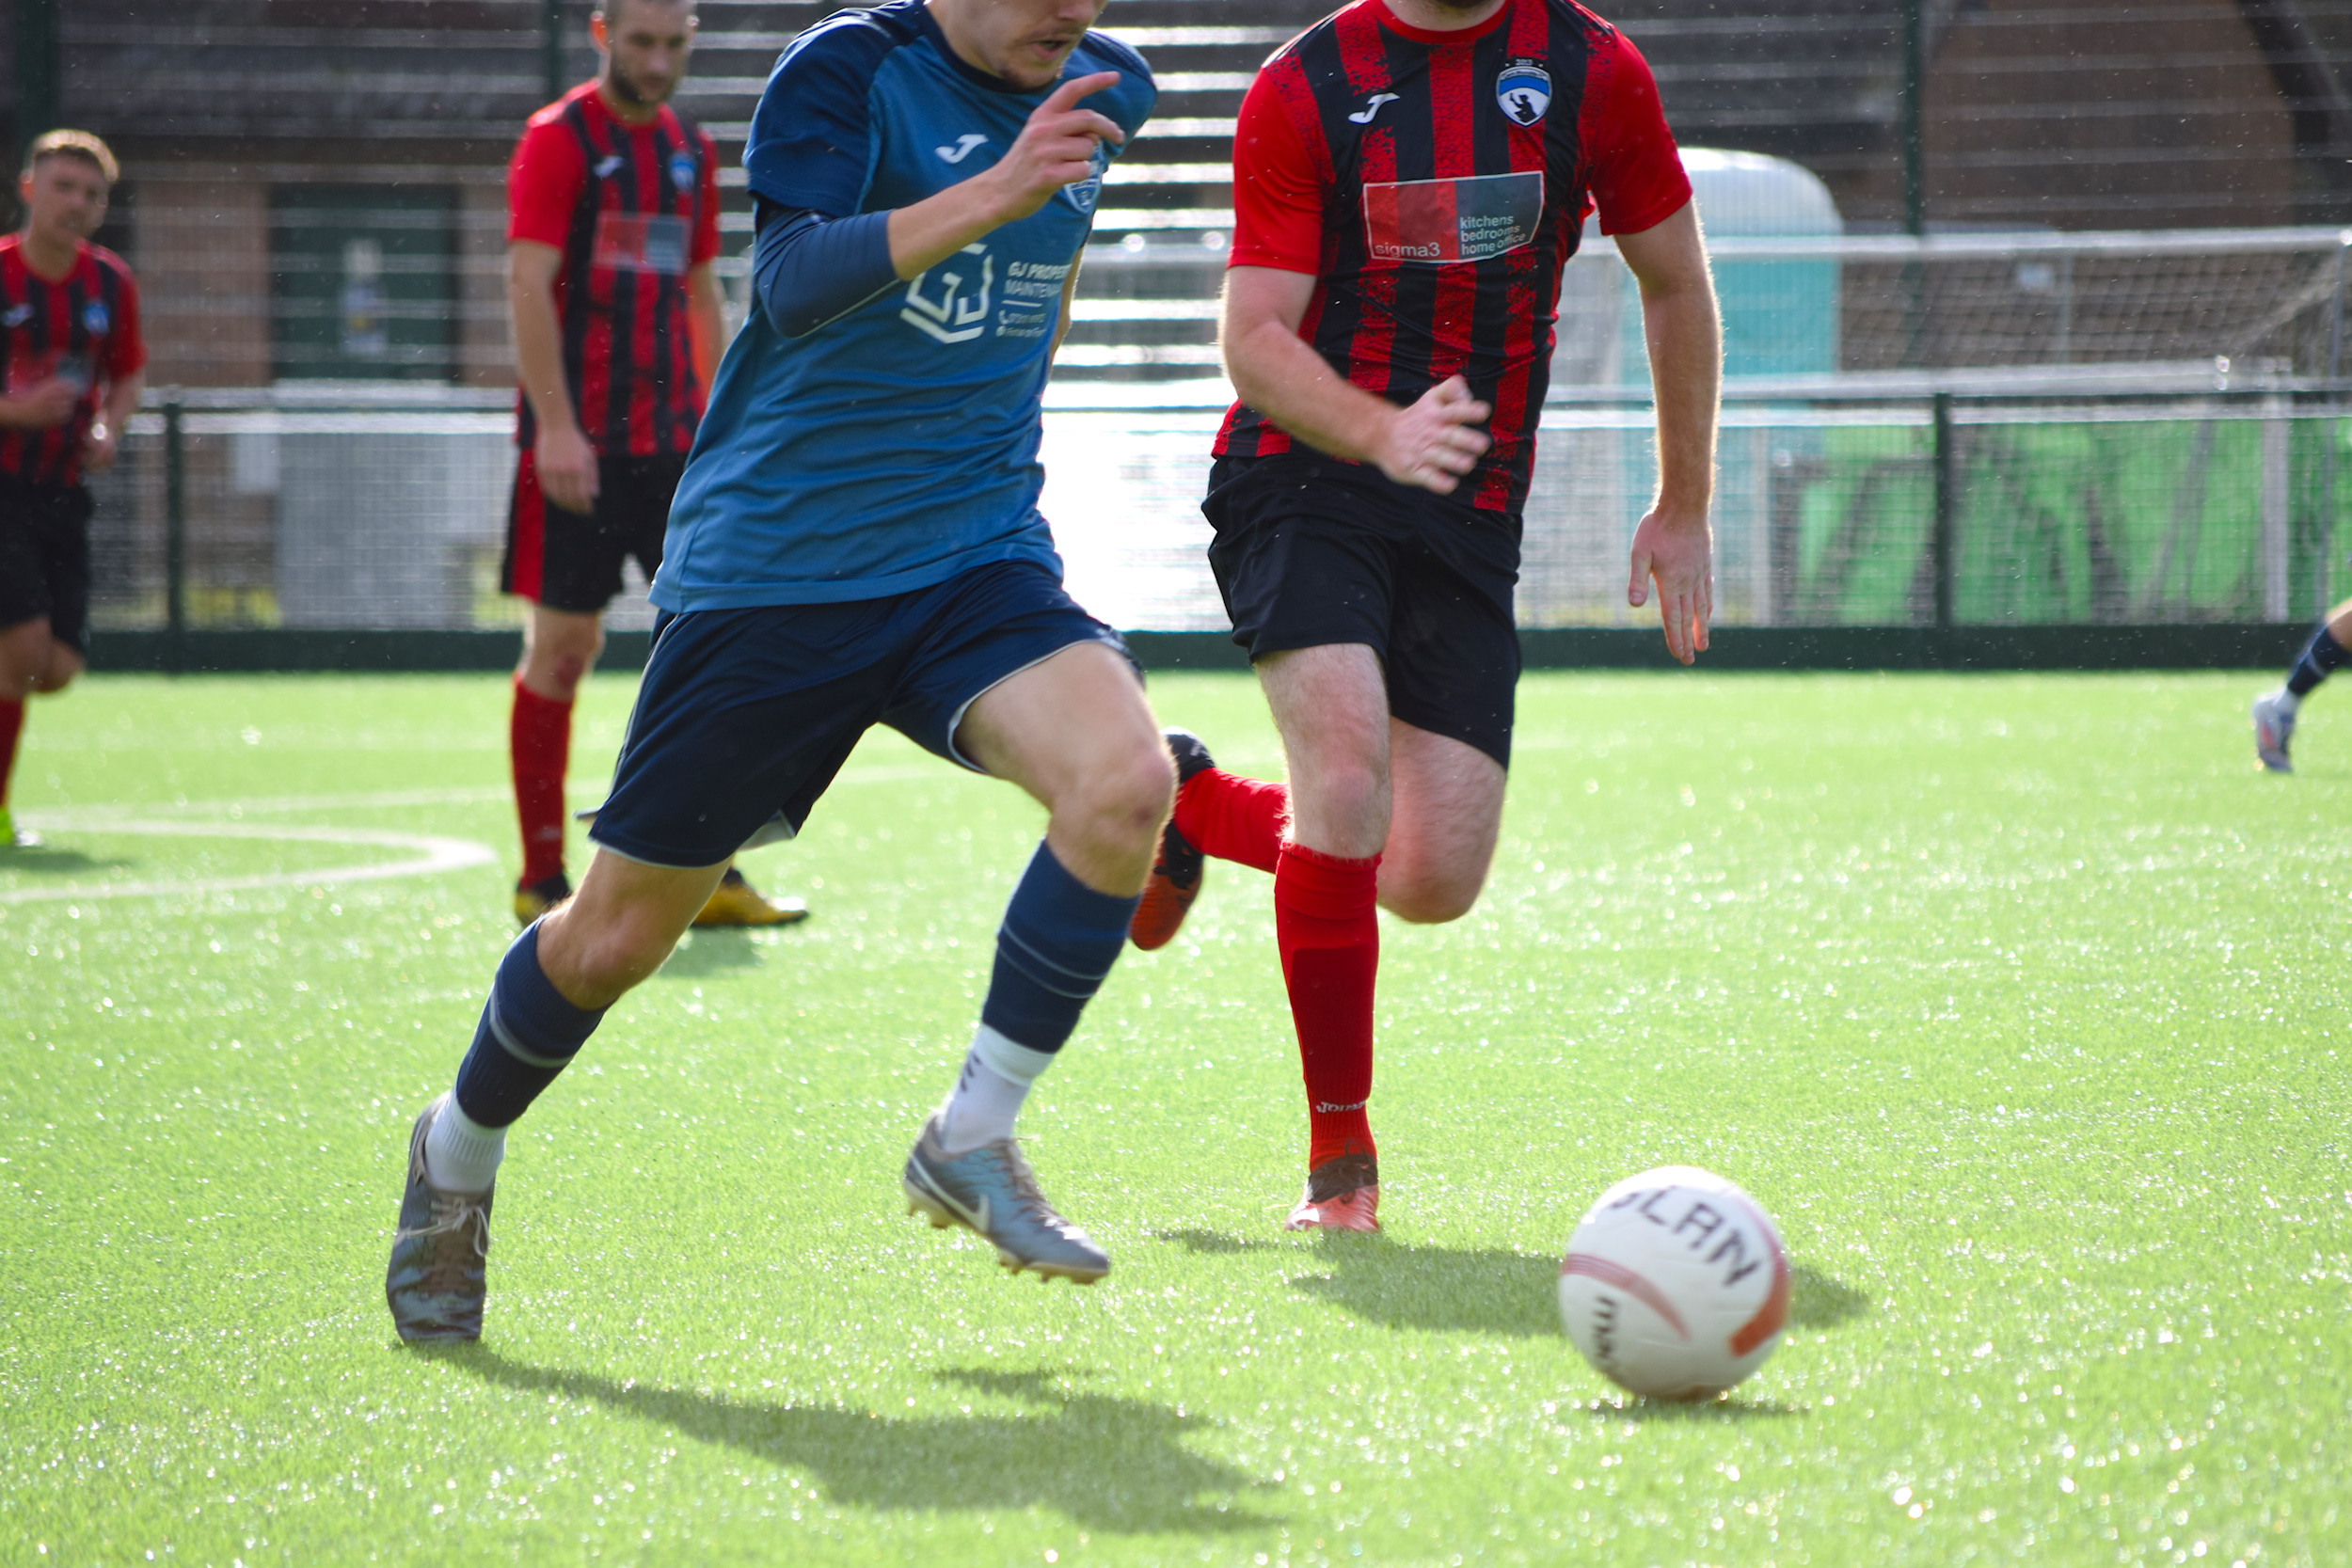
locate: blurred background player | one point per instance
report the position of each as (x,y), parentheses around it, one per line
(612,224)
(71,368)
(857,542)
(2275,711)
(1409,175)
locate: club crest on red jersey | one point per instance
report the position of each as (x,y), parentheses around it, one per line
(1524,92)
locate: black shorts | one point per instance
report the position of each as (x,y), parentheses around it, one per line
(572,562)
(1310,552)
(44,558)
(744,713)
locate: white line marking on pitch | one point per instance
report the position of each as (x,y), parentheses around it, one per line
(432,855)
(100,818)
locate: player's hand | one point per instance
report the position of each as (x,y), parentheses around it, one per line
(43,405)
(1055,149)
(567,467)
(1677,549)
(99,448)
(1434,442)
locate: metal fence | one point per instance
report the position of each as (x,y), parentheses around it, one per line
(2181,495)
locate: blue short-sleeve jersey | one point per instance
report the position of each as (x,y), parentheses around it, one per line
(895,446)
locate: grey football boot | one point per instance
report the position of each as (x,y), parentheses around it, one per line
(993,1190)
(435,1283)
(2274,726)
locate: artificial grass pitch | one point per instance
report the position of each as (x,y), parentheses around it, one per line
(2017,1001)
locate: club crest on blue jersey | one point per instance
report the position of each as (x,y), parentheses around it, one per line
(1524,92)
(1084,194)
(94,318)
(682,170)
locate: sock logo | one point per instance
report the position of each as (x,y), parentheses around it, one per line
(1324,1107)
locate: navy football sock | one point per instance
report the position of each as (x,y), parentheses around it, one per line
(528,1034)
(2319,659)
(1058,940)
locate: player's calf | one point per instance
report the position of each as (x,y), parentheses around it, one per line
(621,926)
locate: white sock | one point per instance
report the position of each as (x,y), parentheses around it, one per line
(996,1076)
(2287,700)
(460,1154)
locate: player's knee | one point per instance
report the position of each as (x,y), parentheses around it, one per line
(1126,801)
(57,673)
(566,672)
(1431,897)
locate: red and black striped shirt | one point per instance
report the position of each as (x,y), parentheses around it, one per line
(1435,183)
(84,326)
(633,208)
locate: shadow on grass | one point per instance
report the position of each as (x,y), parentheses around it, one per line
(1448,1289)
(1108,1463)
(50,861)
(1724,1407)
(1817,1301)
(1481,1290)
(712,951)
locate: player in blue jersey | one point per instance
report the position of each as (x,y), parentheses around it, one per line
(857,541)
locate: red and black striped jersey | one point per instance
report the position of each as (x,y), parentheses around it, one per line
(84,326)
(633,209)
(1435,183)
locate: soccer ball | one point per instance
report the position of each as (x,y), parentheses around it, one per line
(1674,1285)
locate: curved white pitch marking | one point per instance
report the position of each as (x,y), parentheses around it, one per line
(433,854)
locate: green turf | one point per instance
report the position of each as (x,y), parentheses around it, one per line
(2018,1000)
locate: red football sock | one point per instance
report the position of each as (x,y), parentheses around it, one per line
(540,738)
(1233,818)
(11,725)
(1330,936)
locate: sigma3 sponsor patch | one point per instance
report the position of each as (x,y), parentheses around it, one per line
(640,241)
(1469,219)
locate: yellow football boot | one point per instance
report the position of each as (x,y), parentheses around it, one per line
(736,902)
(540,897)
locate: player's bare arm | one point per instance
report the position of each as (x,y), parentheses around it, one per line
(43,405)
(1055,149)
(567,460)
(114,413)
(1674,546)
(706,321)
(1430,443)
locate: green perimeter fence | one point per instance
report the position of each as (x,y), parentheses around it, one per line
(2123,516)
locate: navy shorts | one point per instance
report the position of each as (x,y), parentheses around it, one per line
(1310,552)
(747,713)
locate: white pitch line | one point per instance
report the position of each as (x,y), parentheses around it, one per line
(434,855)
(100,818)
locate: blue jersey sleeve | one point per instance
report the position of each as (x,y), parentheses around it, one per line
(810,141)
(1129,104)
(808,269)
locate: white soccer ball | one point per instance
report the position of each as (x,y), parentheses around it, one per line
(1674,1285)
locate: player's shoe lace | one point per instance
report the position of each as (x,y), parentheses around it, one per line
(435,1281)
(2274,726)
(993,1190)
(1176,871)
